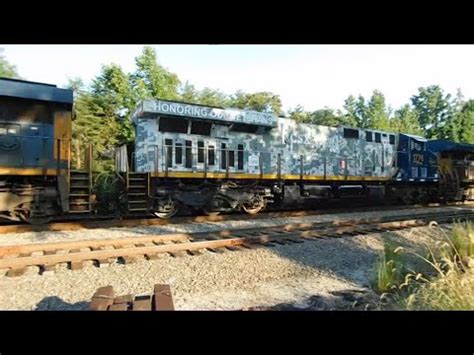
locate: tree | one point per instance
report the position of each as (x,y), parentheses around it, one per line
(435,111)
(406,121)
(7,70)
(299,114)
(465,123)
(152,80)
(113,99)
(355,111)
(376,115)
(263,101)
(90,128)
(188,93)
(212,97)
(76,85)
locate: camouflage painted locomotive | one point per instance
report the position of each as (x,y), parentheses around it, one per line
(211,159)
(215,159)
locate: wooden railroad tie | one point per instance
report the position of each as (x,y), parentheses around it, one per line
(104,299)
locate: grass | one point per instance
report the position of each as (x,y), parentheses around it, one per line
(441,279)
(106,189)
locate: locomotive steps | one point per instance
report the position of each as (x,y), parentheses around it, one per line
(15,259)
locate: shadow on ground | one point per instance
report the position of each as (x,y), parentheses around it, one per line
(349,299)
(54,303)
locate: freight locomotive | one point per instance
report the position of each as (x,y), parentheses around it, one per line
(210,159)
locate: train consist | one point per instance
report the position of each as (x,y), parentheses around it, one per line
(200,158)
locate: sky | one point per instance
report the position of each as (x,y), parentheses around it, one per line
(314,76)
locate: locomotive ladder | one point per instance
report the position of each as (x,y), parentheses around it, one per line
(138,190)
(80,188)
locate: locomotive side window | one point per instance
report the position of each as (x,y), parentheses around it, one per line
(169,152)
(178,153)
(392,139)
(173,125)
(211,157)
(240,157)
(378,138)
(201,128)
(10,129)
(351,133)
(223,156)
(189,155)
(244,128)
(231,158)
(368,137)
(200,152)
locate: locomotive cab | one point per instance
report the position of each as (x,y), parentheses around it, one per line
(35,133)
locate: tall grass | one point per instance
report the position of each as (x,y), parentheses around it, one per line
(390,269)
(441,280)
(107,188)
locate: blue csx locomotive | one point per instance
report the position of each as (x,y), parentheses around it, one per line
(212,159)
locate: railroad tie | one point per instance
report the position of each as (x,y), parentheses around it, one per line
(161,300)
(102,299)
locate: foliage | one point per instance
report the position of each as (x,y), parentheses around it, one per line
(7,70)
(390,269)
(443,280)
(406,121)
(435,111)
(104,109)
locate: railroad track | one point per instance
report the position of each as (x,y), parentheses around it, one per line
(134,222)
(16,259)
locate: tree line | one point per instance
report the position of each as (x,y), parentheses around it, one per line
(103,109)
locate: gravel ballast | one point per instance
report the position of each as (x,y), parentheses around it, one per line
(263,277)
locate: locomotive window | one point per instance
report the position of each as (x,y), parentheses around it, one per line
(189,154)
(211,157)
(200,152)
(423,172)
(169,152)
(178,153)
(10,129)
(392,139)
(378,139)
(244,128)
(173,125)
(231,158)
(351,133)
(240,157)
(201,128)
(223,156)
(368,136)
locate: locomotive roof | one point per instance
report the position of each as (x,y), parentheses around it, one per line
(442,145)
(156,108)
(34,91)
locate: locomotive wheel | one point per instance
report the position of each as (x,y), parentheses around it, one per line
(166,209)
(255,206)
(34,220)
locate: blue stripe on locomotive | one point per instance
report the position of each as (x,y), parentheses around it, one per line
(414,160)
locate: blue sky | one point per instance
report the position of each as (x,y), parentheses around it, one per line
(314,76)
